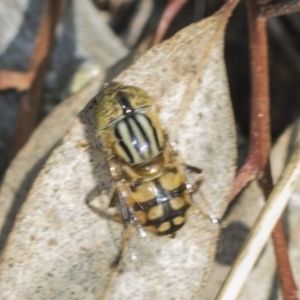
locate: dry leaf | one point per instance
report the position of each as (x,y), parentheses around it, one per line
(60,249)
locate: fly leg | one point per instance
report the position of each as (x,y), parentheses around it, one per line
(126,214)
(124,246)
(104,204)
(129,227)
(108,208)
(128,218)
(116,263)
(130,222)
(193,185)
(196,182)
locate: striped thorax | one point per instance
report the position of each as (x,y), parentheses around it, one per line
(151,186)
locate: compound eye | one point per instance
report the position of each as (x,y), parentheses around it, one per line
(117,100)
(107,110)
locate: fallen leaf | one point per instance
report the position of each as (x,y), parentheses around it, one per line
(60,249)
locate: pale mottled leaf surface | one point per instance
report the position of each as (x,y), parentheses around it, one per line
(60,249)
(29,161)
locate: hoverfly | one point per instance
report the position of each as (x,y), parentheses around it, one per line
(152,189)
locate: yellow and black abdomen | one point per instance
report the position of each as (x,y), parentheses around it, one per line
(161,203)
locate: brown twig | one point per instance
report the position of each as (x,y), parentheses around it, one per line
(172,9)
(278,9)
(170,12)
(30,100)
(20,81)
(257,165)
(260,120)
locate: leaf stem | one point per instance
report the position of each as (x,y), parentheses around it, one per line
(260,120)
(170,12)
(257,165)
